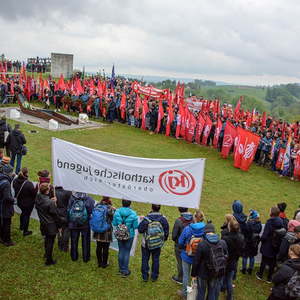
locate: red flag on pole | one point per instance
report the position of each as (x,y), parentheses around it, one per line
(199,129)
(160,116)
(191,128)
(217,133)
(264,120)
(179,120)
(144,112)
(183,121)
(207,129)
(280,158)
(297,166)
(169,120)
(229,136)
(137,107)
(123,106)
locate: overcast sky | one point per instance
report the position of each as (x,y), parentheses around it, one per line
(240,41)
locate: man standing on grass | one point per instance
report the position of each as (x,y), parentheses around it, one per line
(155,228)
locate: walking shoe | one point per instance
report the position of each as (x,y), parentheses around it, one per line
(269,280)
(154,279)
(50,262)
(243,271)
(9,244)
(249,271)
(27,233)
(105,265)
(175,279)
(145,279)
(258,276)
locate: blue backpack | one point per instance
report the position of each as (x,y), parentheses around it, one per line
(98,221)
(78,213)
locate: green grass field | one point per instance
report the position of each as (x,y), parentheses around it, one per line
(24,276)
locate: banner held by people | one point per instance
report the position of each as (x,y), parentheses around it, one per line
(173,182)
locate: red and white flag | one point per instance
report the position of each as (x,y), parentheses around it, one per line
(280,158)
(160,116)
(207,129)
(123,106)
(229,136)
(199,129)
(217,133)
(297,166)
(191,128)
(169,120)
(144,113)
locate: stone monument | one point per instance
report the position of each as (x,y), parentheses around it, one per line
(61,64)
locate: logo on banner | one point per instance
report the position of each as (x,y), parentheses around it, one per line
(177,182)
(227,140)
(206,130)
(249,150)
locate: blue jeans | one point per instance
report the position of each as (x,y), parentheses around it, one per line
(85,242)
(186,270)
(228,284)
(146,253)
(124,254)
(212,286)
(19,160)
(251,263)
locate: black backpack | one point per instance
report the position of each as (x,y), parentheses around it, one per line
(277,236)
(217,261)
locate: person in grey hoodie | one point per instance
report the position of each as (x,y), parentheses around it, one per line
(185,219)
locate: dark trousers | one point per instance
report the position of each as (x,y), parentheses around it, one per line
(85,242)
(5,224)
(267,261)
(179,263)
(63,239)
(102,253)
(25,217)
(146,253)
(49,244)
(19,161)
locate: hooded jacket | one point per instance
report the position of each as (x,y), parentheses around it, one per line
(154,216)
(194,229)
(267,248)
(252,238)
(3,127)
(282,277)
(63,197)
(6,199)
(237,208)
(202,256)
(127,216)
(289,239)
(25,191)
(15,141)
(47,212)
(185,219)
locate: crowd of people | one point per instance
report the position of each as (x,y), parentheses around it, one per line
(206,259)
(196,120)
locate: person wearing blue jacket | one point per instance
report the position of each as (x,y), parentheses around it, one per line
(125,215)
(195,229)
(81,229)
(154,215)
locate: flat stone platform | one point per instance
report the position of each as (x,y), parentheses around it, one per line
(38,122)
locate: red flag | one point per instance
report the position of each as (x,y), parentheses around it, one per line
(207,129)
(144,112)
(99,88)
(169,120)
(183,121)
(123,106)
(237,109)
(297,166)
(199,129)
(229,136)
(160,116)
(239,149)
(280,158)
(179,120)
(191,128)
(61,83)
(217,133)
(264,120)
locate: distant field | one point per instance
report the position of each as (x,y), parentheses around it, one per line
(23,275)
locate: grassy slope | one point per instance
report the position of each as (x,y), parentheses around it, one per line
(24,276)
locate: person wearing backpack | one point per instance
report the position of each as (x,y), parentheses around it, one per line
(235,243)
(25,194)
(49,220)
(155,230)
(101,225)
(270,243)
(252,239)
(287,279)
(126,222)
(186,218)
(209,265)
(188,241)
(289,239)
(6,203)
(79,211)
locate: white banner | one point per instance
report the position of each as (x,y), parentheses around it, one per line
(173,182)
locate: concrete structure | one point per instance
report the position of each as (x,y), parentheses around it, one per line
(61,64)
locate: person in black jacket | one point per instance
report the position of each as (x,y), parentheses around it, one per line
(207,280)
(49,220)
(62,203)
(25,194)
(5,129)
(269,249)
(290,238)
(284,274)
(235,243)
(15,142)
(6,203)
(185,219)
(252,240)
